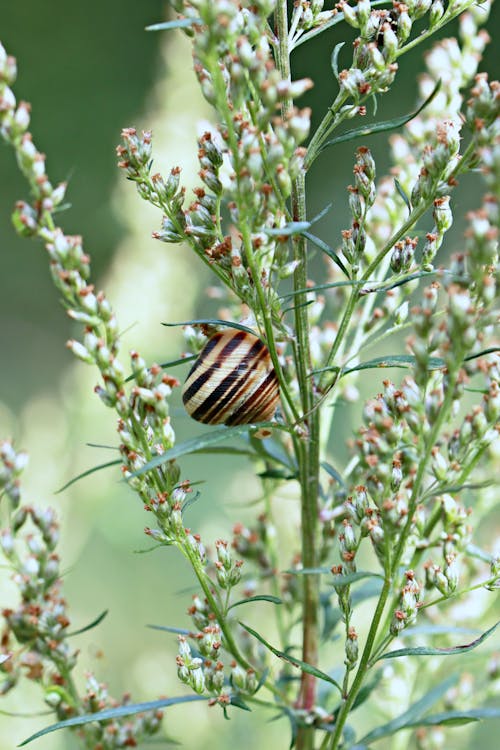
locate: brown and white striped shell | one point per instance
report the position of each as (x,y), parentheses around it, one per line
(232,381)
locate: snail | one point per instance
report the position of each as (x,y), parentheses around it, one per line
(232,381)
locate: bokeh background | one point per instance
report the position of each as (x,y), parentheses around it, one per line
(88,70)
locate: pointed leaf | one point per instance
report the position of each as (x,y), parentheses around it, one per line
(179,23)
(87,473)
(429,651)
(327,250)
(211,322)
(293,227)
(199,443)
(322,213)
(412,716)
(237,700)
(367,689)
(335,59)
(333,473)
(384,126)
(114,713)
(491,350)
(396,360)
(367,591)
(302,665)
(168,629)
(436,630)
(91,625)
(277,474)
(258,598)
(168,365)
(479,553)
(263,678)
(457,718)
(320,288)
(403,195)
(400,282)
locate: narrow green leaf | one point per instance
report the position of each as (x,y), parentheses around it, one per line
(307,571)
(333,473)
(91,625)
(367,689)
(293,227)
(114,713)
(322,213)
(429,651)
(400,282)
(102,445)
(367,591)
(297,306)
(412,716)
(457,718)
(179,23)
(302,665)
(479,553)
(340,580)
(396,360)
(199,443)
(168,365)
(211,322)
(455,488)
(403,361)
(278,474)
(262,680)
(320,288)
(237,700)
(482,353)
(226,449)
(384,126)
(168,629)
(436,630)
(257,598)
(335,59)
(87,473)
(403,195)
(327,250)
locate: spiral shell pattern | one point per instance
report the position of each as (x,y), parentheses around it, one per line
(232,381)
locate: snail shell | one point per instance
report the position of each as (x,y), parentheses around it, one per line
(232,381)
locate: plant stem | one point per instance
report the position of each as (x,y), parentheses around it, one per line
(307,450)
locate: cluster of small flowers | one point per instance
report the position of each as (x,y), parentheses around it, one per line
(201,666)
(34,639)
(145,409)
(308,14)
(455,65)
(39,624)
(11,467)
(235,67)
(383,34)
(361,197)
(410,599)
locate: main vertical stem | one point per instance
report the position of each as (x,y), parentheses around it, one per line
(308,446)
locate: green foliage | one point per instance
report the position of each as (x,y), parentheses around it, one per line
(394,512)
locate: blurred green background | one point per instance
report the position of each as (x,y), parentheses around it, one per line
(88,70)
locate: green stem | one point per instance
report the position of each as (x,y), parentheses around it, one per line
(307,450)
